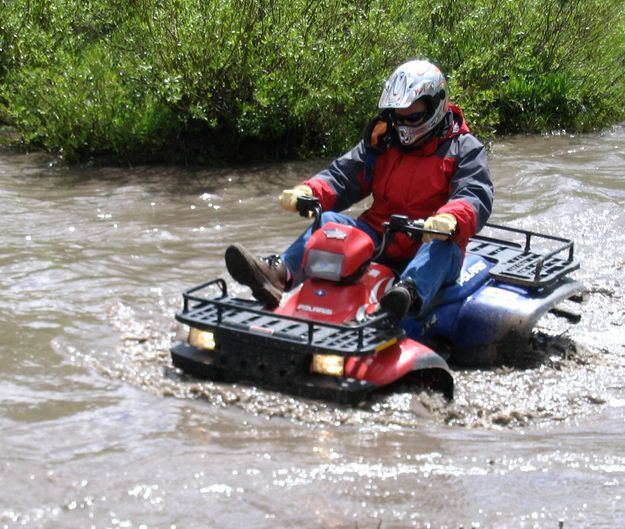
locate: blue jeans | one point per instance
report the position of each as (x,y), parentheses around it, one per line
(435,264)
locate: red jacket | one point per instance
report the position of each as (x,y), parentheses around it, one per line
(447,174)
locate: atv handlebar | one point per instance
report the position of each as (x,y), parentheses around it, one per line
(413,228)
(311,206)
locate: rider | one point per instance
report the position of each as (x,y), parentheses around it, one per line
(417,158)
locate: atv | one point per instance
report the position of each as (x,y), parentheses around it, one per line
(329,339)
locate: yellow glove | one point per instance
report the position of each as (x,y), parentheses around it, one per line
(288,197)
(440,222)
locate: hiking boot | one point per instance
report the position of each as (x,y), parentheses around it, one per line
(400,299)
(266,276)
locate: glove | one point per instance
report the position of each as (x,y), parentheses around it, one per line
(288,197)
(441,222)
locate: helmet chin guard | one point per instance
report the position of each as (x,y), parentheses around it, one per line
(409,135)
(411,81)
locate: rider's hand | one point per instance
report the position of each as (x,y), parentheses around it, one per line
(441,222)
(288,197)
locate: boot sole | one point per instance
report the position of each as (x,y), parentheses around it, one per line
(240,263)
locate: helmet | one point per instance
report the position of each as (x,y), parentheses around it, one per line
(412,81)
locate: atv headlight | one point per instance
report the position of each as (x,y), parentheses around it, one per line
(332,365)
(201,339)
(324,265)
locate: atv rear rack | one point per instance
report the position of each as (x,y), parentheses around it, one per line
(247,318)
(518,264)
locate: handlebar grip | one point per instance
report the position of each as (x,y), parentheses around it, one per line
(306,205)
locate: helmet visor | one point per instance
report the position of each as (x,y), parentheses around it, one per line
(413,119)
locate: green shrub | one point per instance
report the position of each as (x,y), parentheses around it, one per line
(88,109)
(287,77)
(200,80)
(549,102)
(533,65)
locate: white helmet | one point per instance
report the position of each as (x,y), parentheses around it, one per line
(411,81)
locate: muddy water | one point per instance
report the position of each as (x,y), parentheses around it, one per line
(99,431)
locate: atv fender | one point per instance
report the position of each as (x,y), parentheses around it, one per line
(406,361)
(496,323)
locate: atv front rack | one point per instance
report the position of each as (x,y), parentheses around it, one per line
(248,320)
(520,264)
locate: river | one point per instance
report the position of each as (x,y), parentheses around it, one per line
(98,430)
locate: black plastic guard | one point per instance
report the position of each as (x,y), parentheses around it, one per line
(285,373)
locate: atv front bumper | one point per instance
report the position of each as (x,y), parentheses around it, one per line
(269,371)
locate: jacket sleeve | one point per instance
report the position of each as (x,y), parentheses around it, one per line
(471,194)
(343,183)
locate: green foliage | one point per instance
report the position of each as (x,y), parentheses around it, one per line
(548,102)
(542,64)
(201,80)
(275,77)
(67,88)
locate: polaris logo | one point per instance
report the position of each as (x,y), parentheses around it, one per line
(316,310)
(470,273)
(335,233)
